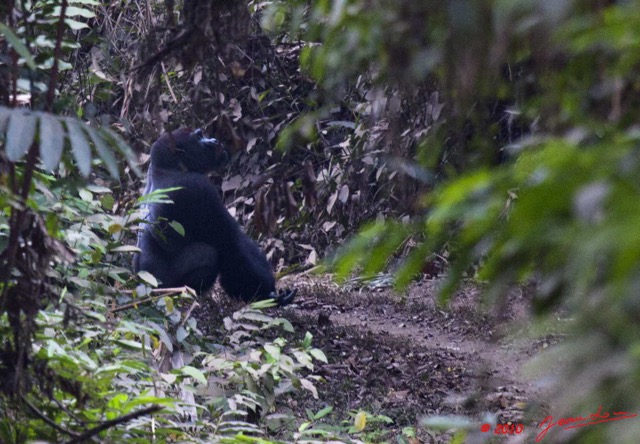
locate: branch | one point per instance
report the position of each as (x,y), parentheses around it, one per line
(159,293)
(108,424)
(46,419)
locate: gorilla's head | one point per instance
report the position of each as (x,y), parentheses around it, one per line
(187,150)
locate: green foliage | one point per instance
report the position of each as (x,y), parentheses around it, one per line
(17,45)
(360,427)
(259,372)
(38,51)
(20,128)
(564,210)
(103,366)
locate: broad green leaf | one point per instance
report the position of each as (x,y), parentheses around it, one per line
(177,226)
(134,345)
(42,41)
(21,134)
(99,189)
(141,290)
(306,342)
(169,377)
(17,45)
(157,196)
(168,303)
(273,351)
(265,303)
(148,278)
(48,64)
(318,354)
(163,335)
(54,350)
(104,151)
(118,400)
(309,386)
(360,421)
(74,11)
(322,413)
(75,25)
(254,316)
(181,334)
(79,145)
(285,324)
(123,148)
(107,201)
(51,141)
(194,373)
(95,315)
(85,195)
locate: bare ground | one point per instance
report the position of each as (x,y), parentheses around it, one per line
(404,356)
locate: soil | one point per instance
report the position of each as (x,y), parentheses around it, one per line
(404,356)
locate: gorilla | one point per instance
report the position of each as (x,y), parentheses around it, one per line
(213,243)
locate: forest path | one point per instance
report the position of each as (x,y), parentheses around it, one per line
(408,357)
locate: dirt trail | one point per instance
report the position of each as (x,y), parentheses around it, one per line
(407,357)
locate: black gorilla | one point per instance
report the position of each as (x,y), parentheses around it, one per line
(213,243)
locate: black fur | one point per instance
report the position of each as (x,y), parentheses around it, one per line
(213,243)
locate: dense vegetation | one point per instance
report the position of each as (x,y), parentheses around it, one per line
(497,139)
